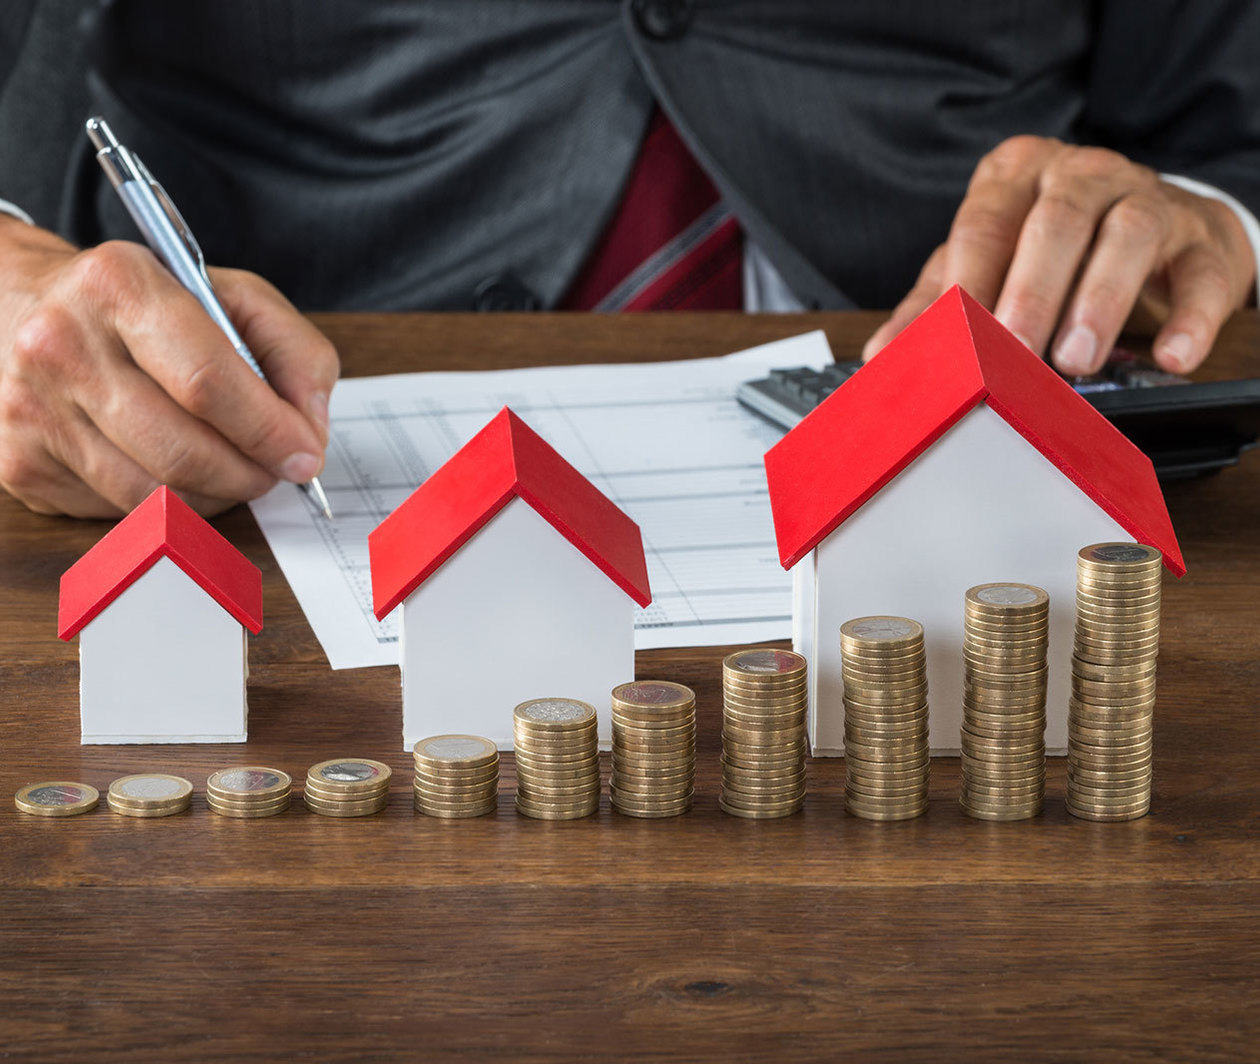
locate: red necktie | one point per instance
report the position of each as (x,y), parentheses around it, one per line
(672,244)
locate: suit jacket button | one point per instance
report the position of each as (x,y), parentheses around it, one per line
(504,292)
(663,20)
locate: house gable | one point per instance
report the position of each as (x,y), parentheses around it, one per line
(163,526)
(505,460)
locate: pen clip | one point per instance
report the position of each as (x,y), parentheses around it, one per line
(172,212)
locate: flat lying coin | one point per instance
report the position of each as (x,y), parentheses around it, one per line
(56,798)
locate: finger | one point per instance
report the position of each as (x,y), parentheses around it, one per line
(46,486)
(139,419)
(1202,297)
(86,453)
(1072,198)
(117,476)
(300,362)
(925,290)
(1127,249)
(984,235)
(170,337)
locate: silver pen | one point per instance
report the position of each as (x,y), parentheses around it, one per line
(170,239)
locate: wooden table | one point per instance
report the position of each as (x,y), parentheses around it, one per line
(819,937)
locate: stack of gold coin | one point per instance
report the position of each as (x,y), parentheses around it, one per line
(1111,711)
(56,798)
(1005,635)
(457,776)
(557,759)
(654,748)
(149,794)
(763,733)
(252,791)
(885,718)
(347,786)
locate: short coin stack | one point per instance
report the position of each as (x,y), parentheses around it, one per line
(457,776)
(56,798)
(654,748)
(557,759)
(251,791)
(1111,711)
(885,718)
(347,786)
(1005,635)
(763,733)
(149,794)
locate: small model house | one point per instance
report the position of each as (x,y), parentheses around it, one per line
(161,606)
(955,457)
(517,579)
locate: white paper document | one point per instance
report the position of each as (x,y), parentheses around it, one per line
(666,441)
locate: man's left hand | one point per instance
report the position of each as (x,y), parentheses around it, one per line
(1061,241)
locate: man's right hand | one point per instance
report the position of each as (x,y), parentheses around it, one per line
(113,379)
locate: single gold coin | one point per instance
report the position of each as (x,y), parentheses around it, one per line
(881,631)
(654,696)
(765,665)
(56,798)
(255,782)
(1007,599)
(464,752)
(1127,557)
(348,775)
(554,714)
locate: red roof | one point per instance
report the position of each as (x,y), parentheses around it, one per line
(952,357)
(505,460)
(163,526)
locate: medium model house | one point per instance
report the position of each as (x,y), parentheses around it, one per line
(956,457)
(161,607)
(517,579)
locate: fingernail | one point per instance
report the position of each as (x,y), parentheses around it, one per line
(299,468)
(318,406)
(1076,353)
(1178,350)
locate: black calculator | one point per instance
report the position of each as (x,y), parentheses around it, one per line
(1188,429)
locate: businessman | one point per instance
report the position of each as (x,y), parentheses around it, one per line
(1065,162)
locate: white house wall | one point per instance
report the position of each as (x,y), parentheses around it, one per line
(980,505)
(163,663)
(516,613)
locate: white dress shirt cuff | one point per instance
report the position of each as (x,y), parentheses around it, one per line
(1248,220)
(12,208)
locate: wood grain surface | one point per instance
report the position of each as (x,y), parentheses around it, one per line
(815,938)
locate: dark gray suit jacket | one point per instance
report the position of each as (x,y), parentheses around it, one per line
(454,153)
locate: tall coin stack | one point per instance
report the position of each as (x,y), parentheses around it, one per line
(557,759)
(1111,710)
(347,786)
(1005,635)
(457,776)
(653,748)
(886,753)
(251,791)
(763,733)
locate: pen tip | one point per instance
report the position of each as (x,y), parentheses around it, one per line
(316,490)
